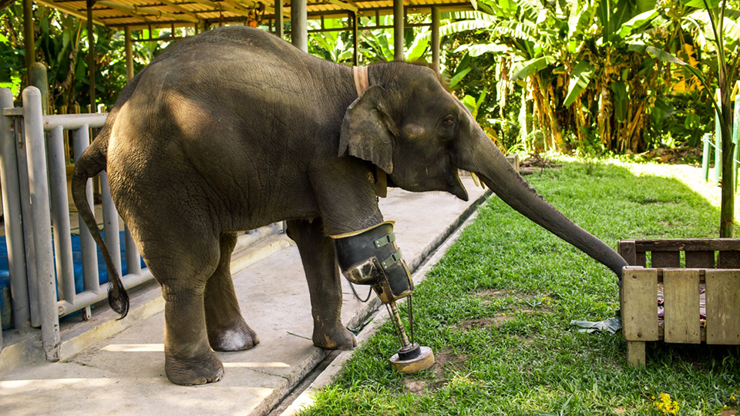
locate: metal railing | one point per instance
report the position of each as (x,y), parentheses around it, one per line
(37,222)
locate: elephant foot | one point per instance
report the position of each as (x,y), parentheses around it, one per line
(237,338)
(339,338)
(202,370)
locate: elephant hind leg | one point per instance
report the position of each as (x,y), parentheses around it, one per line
(182,268)
(324,284)
(227,330)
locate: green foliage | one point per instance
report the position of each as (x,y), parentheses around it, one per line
(374,45)
(62,44)
(583,74)
(496,311)
(622,73)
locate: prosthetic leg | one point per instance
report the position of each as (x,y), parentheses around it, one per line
(371,257)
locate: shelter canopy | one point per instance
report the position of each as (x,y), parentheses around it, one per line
(163,13)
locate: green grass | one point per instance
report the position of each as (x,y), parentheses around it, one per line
(496,311)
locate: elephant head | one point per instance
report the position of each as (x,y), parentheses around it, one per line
(410,126)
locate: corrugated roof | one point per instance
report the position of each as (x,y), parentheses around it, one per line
(161,13)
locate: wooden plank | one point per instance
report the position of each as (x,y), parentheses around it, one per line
(693,244)
(681,297)
(723,306)
(664,259)
(641,261)
(700,259)
(640,304)
(728,259)
(636,353)
(628,252)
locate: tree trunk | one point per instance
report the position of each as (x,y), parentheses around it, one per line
(727,213)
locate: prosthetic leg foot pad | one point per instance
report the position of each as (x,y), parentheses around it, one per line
(414,365)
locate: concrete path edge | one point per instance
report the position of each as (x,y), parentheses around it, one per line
(302,398)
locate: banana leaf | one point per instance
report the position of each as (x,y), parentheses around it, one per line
(579,80)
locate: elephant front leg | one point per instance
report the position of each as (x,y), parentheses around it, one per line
(227,330)
(324,284)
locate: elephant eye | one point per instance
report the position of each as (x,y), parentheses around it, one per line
(449,120)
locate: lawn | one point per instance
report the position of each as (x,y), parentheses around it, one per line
(497,309)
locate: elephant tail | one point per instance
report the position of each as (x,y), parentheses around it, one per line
(92,162)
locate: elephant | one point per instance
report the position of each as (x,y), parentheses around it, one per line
(234,129)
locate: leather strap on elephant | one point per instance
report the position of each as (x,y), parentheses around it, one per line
(371,257)
(362,83)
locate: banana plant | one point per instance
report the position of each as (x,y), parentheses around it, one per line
(12,55)
(715,25)
(61,43)
(574,59)
(335,46)
(374,45)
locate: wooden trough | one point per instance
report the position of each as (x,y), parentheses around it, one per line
(696,280)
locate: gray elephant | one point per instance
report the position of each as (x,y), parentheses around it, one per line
(234,129)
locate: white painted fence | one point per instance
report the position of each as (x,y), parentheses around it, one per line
(37,222)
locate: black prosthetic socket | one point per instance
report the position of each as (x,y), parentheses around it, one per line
(371,257)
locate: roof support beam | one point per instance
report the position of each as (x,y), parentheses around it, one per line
(91,55)
(220,6)
(69,10)
(180,8)
(398,20)
(344,5)
(28,36)
(132,14)
(145,11)
(355,40)
(129,53)
(279,18)
(299,23)
(435,38)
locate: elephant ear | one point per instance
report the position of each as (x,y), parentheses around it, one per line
(368,130)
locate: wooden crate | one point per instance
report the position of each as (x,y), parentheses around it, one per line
(710,276)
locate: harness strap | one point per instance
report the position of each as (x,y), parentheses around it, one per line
(362,82)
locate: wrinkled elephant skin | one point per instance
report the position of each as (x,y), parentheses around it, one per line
(234,129)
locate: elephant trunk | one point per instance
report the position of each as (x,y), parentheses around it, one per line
(485,160)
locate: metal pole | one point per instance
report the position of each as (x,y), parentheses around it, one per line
(129,53)
(87,244)
(299,23)
(435,38)
(39,189)
(60,215)
(9,182)
(355,40)
(28,225)
(91,52)
(29,40)
(37,77)
(398,21)
(279,18)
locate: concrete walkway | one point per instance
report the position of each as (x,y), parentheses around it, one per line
(124,373)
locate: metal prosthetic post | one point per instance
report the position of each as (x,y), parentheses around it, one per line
(371,257)
(411,357)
